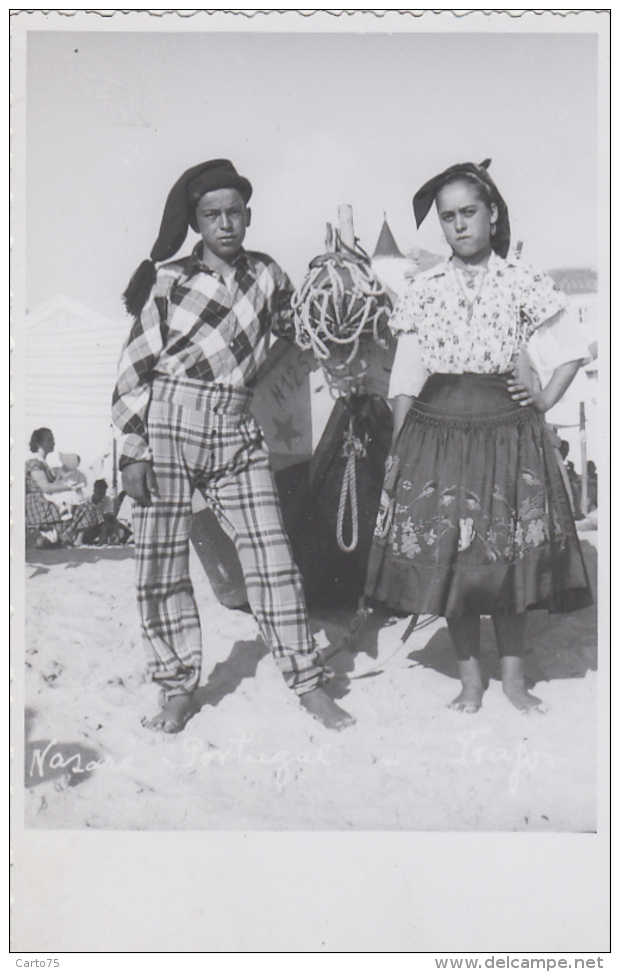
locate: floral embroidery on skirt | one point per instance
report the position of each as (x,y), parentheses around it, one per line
(474,517)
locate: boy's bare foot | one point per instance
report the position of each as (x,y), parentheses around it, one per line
(319,704)
(515,687)
(174,715)
(469,700)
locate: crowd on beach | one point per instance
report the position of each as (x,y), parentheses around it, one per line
(59,510)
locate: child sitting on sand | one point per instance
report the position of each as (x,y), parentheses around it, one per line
(75,480)
(111,531)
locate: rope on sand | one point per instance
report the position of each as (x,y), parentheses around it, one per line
(414,625)
(357,623)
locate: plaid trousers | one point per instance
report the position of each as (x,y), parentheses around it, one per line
(203,438)
(41,514)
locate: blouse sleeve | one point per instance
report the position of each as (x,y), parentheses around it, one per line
(406,315)
(540,299)
(556,342)
(408,371)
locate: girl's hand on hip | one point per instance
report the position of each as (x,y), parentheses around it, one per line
(525,396)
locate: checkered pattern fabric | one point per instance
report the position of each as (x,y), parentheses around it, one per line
(200,325)
(203,438)
(41,514)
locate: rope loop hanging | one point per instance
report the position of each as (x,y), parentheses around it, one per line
(353,448)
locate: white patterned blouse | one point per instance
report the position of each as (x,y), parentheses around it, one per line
(453,320)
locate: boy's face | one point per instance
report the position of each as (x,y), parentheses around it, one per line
(222,217)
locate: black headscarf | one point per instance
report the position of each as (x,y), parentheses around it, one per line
(179,214)
(425,197)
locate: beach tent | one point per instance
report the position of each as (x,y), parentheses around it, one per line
(391,267)
(70,369)
(386,244)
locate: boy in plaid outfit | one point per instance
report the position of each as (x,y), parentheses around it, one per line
(201,331)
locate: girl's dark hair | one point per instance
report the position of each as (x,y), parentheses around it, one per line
(484,191)
(38,438)
(478,176)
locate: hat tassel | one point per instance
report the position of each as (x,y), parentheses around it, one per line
(139,287)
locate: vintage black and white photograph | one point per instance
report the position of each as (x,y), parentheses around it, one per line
(310,344)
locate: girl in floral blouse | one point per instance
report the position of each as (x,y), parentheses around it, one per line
(474,518)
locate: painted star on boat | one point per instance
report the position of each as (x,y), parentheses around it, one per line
(286,432)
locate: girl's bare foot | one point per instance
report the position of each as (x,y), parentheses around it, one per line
(469,699)
(319,704)
(174,715)
(524,700)
(515,688)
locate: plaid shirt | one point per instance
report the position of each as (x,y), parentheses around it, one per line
(198,325)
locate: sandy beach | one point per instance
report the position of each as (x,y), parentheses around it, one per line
(251,758)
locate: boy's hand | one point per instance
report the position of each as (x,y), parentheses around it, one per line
(139,482)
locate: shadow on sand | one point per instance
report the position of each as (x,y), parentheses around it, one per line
(42,560)
(226,677)
(557,645)
(242,663)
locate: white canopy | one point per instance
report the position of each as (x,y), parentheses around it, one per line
(70,372)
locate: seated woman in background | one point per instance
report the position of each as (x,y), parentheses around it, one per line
(45,525)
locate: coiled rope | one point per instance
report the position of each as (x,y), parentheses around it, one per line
(340,303)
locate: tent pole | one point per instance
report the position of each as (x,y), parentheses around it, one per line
(114,469)
(584,458)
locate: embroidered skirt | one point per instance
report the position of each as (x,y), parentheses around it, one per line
(474,516)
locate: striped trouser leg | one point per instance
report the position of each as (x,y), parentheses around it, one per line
(168,612)
(84,516)
(247,504)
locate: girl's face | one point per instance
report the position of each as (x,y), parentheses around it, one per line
(466,221)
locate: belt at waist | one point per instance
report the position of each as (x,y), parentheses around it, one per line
(467,394)
(202,397)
